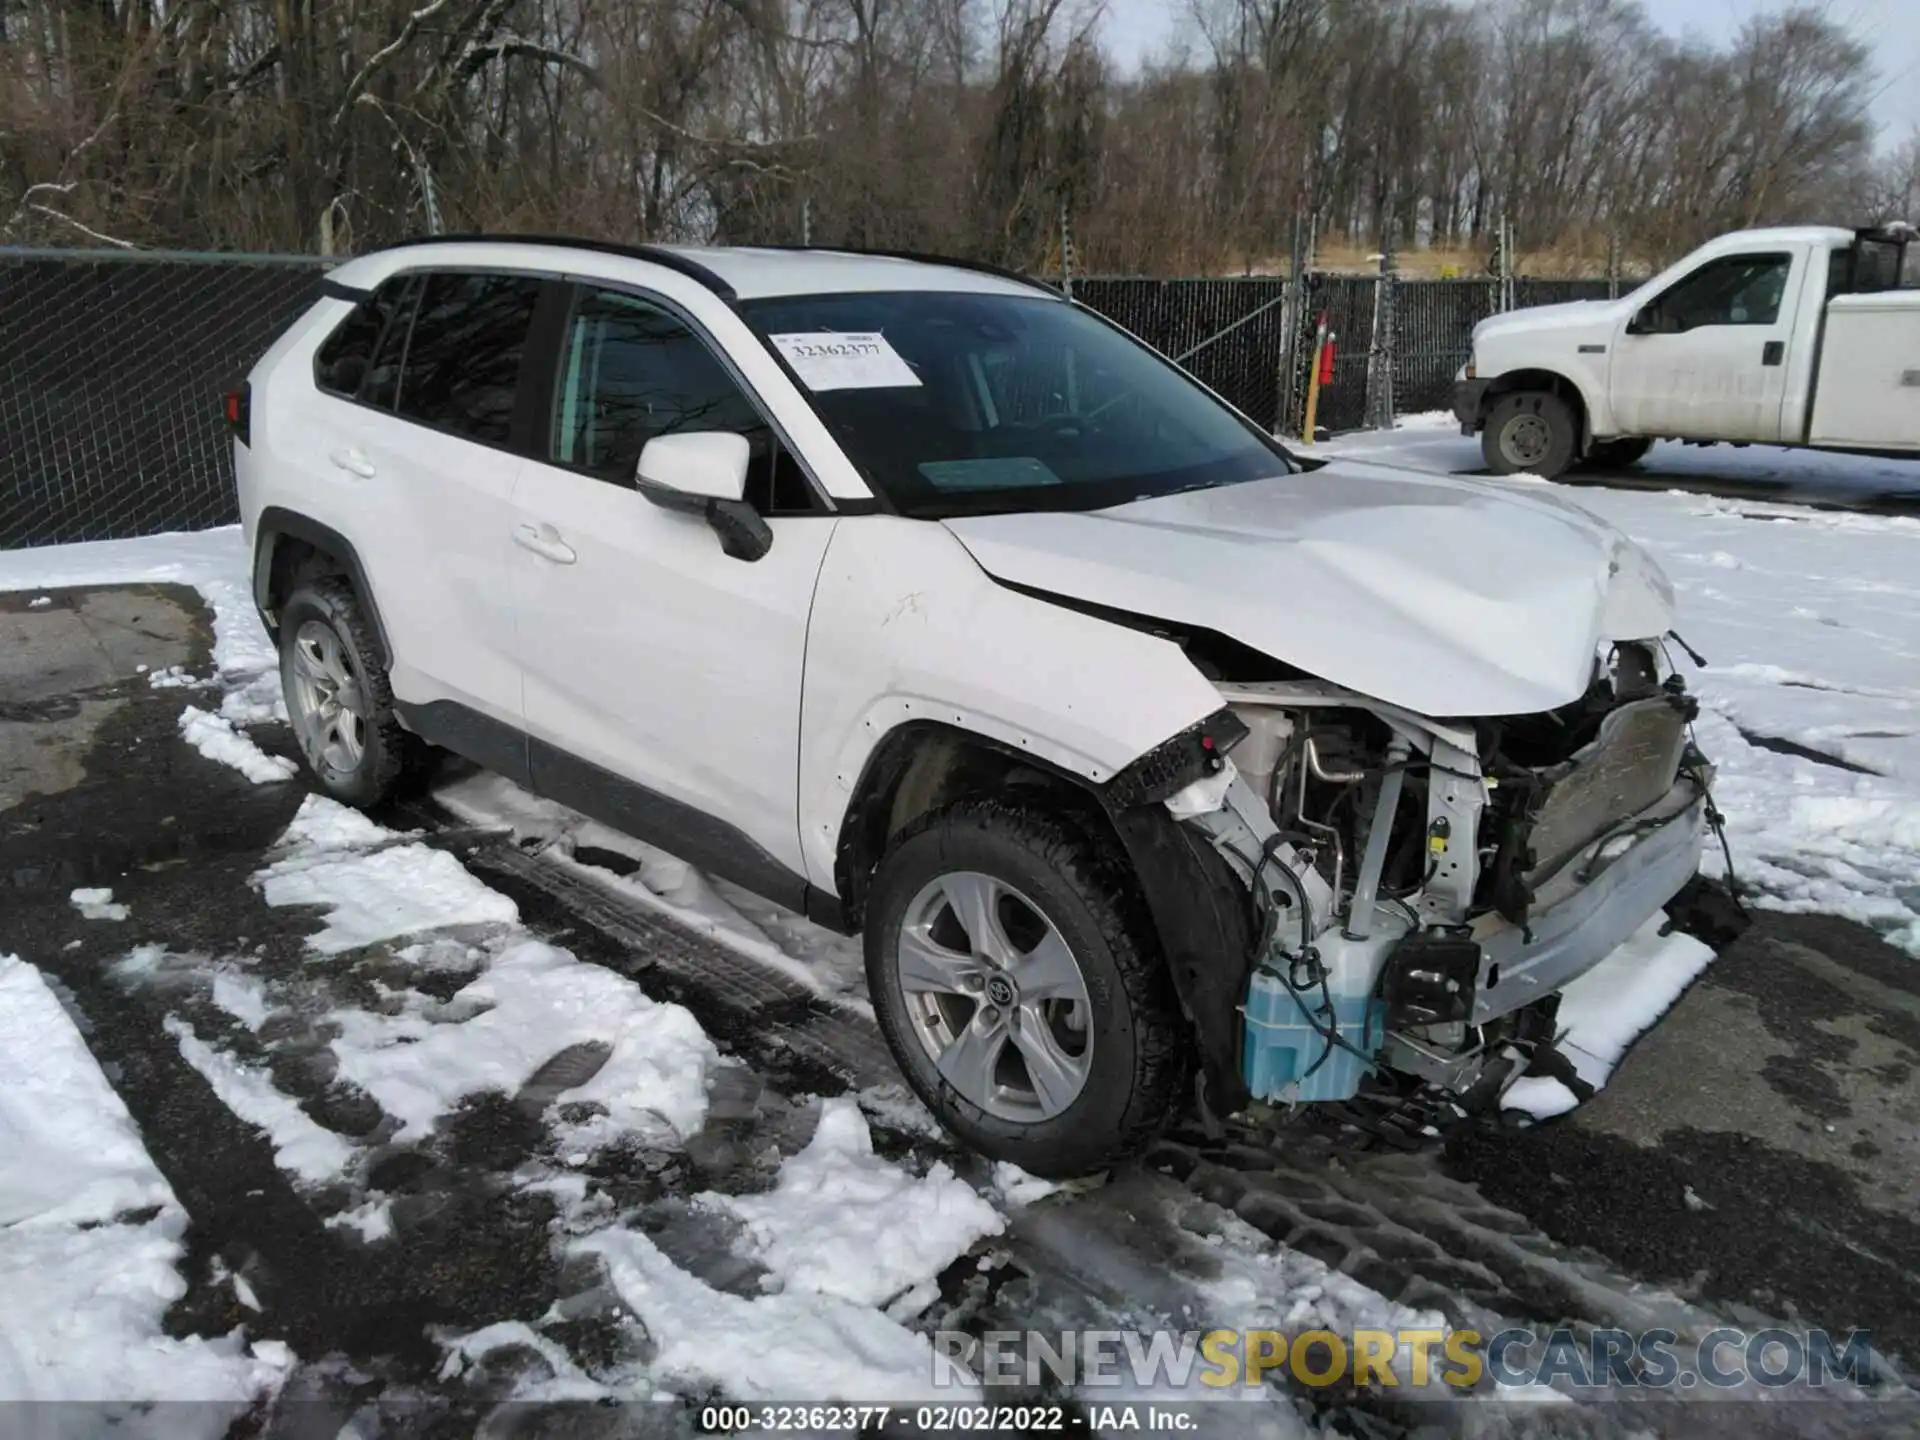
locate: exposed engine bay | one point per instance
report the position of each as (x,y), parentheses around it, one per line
(1426,887)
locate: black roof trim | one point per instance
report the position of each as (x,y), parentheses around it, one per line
(1898,233)
(919,258)
(652,254)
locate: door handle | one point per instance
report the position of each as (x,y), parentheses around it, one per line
(1774,352)
(354,463)
(544,541)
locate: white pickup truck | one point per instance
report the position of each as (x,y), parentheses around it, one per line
(1805,336)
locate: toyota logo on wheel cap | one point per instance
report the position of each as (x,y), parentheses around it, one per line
(1001,992)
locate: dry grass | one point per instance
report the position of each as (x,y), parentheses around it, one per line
(1577,258)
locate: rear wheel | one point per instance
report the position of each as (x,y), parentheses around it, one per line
(338,699)
(1530,432)
(1021,988)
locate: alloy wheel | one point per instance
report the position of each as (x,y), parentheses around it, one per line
(328,701)
(995,997)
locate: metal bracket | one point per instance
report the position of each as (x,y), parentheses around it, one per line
(1454,805)
(1240,829)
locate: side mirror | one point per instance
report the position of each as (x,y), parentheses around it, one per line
(704,472)
(1642,322)
(698,464)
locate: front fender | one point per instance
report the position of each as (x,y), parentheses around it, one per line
(907,628)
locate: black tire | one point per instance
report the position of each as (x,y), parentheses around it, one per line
(391,759)
(1533,432)
(1615,454)
(1141,1046)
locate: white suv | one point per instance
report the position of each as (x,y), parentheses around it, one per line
(1162,770)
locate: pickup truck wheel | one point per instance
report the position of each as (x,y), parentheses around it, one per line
(1022,989)
(338,699)
(1530,432)
(1615,454)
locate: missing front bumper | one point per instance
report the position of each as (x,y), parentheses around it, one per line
(1562,941)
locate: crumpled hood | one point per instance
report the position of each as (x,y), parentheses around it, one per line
(1445,596)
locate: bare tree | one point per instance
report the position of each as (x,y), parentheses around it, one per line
(959,125)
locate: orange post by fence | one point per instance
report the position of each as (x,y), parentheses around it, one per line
(1322,374)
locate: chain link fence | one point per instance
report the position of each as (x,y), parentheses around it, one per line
(112,366)
(1229,334)
(111,371)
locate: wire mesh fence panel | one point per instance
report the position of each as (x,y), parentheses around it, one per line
(111,373)
(1434,338)
(1528,293)
(112,366)
(1347,304)
(1230,334)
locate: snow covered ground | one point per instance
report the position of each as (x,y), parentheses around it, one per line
(90,1243)
(1807,618)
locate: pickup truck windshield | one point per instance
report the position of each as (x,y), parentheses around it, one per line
(954,403)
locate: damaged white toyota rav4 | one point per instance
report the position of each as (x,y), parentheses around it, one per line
(1163,772)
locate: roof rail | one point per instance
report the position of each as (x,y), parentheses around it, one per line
(919,258)
(653,254)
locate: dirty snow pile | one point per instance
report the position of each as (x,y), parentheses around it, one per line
(849,1243)
(246,669)
(98,904)
(304,1149)
(374,883)
(527,1002)
(532,1002)
(844,1222)
(90,1240)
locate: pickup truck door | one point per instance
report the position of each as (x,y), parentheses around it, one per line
(1706,359)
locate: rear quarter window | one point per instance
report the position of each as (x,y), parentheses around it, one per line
(343,362)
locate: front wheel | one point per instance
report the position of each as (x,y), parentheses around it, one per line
(1530,432)
(1022,990)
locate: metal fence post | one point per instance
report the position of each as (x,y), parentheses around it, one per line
(1380,352)
(1066,252)
(1287,379)
(1507,301)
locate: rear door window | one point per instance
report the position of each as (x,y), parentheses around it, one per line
(461,370)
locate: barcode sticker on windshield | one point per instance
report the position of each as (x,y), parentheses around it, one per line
(828,360)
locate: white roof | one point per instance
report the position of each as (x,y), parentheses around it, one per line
(752,272)
(1831,236)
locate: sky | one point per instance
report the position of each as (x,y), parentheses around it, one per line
(1137,28)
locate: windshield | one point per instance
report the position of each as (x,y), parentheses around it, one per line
(954,403)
